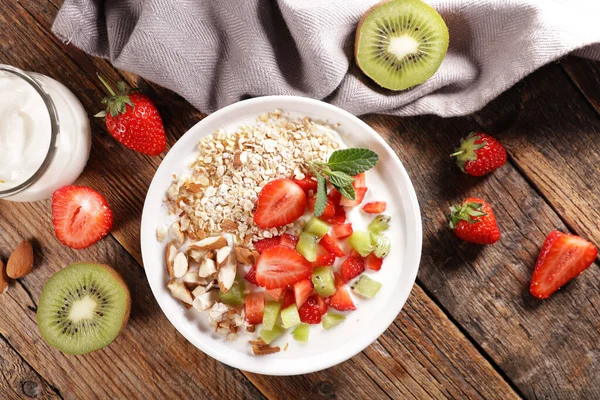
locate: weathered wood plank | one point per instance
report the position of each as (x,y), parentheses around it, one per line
(586,75)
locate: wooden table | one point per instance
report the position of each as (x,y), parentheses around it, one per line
(469,329)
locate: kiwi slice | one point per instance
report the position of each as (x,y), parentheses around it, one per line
(83,307)
(401,43)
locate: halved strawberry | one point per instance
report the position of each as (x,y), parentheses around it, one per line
(562,258)
(302,291)
(266,243)
(254,306)
(251,275)
(275,293)
(279,203)
(328,212)
(351,268)
(360,195)
(324,260)
(373,262)
(312,310)
(80,216)
(341,299)
(307,184)
(331,246)
(342,231)
(280,266)
(288,240)
(375,207)
(288,298)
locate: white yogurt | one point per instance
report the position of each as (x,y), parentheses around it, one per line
(25,136)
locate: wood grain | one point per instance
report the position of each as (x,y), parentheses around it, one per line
(585,74)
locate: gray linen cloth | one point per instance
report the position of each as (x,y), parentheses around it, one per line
(216,52)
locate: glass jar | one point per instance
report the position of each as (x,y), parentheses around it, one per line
(45,136)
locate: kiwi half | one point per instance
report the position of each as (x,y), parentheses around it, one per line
(83,307)
(401,43)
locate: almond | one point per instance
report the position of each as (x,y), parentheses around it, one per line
(180,265)
(223,256)
(20,261)
(210,243)
(3,278)
(170,254)
(180,291)
(229,225)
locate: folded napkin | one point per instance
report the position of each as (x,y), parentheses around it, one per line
(216,52)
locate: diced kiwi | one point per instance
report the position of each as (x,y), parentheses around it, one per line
(307,246)
(366,286)
(382,245)
(269,335)
(360,241)
(270,314)
(401,43)
(316,226)
(379,224)
(83,307)
(330,320)
(235,296)
(323,281)
(290,316)
(301,332)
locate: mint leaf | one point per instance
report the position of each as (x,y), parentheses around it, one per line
(347,191)
(352,161)
(321,200)
(339,178)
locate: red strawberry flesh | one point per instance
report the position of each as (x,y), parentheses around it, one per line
(280,266)
(279,203)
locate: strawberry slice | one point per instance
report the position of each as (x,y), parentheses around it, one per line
(373,262)
(338,218)
(324,260)
(288,298)
(360,195)
(281,266)
(342,231)
(562,258)
(251,275)
(334,196)
(80,216)
(375,207)
(360,180)
(302,291)
(266,243)
(328,212)
(331,246)
(312,310)
(351,268)
(275,293)
(288,240)
(279,203)
(254,307)
(307,184)
(341,299)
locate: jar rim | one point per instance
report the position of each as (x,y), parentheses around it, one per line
(54,130)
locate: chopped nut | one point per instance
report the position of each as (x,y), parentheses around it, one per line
(244,255)
(196,235)
(227,272)
(204,301)
(207,268)
(180,265)
(161,233)
(210,243)
(176,234)
(180,291)
(229,226)
(223,256)
(196,255)
(194,278)
(194,187)
(170,254)
(251,328)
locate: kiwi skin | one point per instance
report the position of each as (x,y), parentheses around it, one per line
(357,37)
(119,279)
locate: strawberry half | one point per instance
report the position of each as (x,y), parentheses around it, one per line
(307,184)
(312,310)
(479,154)
(331,245)
(351,268)
(375,207)
(341,299)
(474,221)
(266,243)
(281,266)
(288,240)
(254,306)
(279,203)
(562,258)
(80,216)
(302,291)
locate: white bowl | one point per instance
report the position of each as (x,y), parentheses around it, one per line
(388,182)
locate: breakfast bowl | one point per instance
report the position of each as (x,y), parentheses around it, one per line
(387,181)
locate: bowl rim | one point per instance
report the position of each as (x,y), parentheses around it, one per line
(411,258)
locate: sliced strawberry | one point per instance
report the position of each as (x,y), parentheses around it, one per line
(80,216)
(373,262)
(312,310)
(307,184)
(375,207)
(324,260)
(341,299)
(251,275)
(280,266)
(279,203)
(331,246)
(351,268)
(342,231)
(562,258)
(254,306)
(302,291)
(334,196)
(328,212)
(338,218)
(275,293)
(288,298)
(266,243)
(360,195)
(288,240)
(360,180)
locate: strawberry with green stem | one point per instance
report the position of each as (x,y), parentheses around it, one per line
(479,154)
(474,221)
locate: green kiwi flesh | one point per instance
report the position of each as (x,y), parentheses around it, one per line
(83,307)
(401,43)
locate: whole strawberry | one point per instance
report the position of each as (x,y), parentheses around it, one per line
(479,154)
(473,221)
(132,119)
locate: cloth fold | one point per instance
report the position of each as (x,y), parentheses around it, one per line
(216,52)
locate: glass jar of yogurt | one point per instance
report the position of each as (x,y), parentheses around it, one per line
(45,136)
